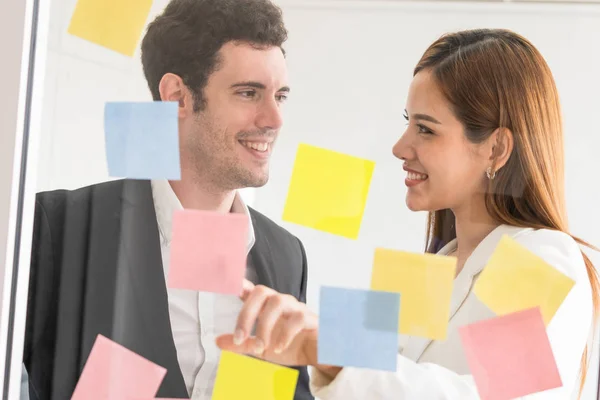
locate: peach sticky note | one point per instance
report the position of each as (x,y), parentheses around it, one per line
(516,279)
(243,377)
(510,356)
(328,191)
(208,251)
(425,283)
(115,372)
(114,24)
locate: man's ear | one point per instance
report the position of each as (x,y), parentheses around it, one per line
(172,88)
(502,147)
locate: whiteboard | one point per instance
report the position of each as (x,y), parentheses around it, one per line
(350,65)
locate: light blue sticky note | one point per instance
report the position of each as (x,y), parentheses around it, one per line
(349,335)
(142,140)
(376,308)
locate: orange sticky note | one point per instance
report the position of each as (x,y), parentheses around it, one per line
(114,24)
(510,356)
(208,251)
(243,377)
(516,279)
(115,372)
(328,191)
(425,283)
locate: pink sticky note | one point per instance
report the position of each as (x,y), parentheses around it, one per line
(208,251)
(510,356)
(115,372)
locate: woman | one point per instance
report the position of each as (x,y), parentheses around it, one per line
(483,153)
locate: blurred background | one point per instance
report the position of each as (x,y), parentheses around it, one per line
(350,65)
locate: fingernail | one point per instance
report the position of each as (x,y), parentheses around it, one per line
(278,349)
(259,347)
(238,337)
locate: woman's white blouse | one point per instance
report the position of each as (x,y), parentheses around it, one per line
(438,370)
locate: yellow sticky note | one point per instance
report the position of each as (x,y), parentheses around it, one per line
(243,377)
(328,191)
(425,283)
(515,279)
(115,24)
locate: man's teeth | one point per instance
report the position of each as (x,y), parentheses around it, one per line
(416,177)
(258,146)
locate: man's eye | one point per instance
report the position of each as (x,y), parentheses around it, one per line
(248,93)
(281,98)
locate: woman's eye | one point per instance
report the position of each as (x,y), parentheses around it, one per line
(423,129)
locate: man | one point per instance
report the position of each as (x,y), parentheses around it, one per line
(100,254)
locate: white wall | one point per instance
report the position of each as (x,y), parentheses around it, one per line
(350,66)
(12,26)
(12,22)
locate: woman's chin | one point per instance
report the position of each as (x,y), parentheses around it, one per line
(414,205)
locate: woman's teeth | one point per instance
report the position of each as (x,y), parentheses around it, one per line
(413,176)
(258,146)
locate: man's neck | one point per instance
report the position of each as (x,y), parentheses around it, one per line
(196,196)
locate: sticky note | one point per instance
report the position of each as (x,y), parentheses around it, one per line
(425,282)
(516,279)
(510,356)
(328,191)
(347,336)
(115,372)
(243,377)
(142,140)
(114,24)
(208,251)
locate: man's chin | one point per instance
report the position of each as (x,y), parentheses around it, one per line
(257,180)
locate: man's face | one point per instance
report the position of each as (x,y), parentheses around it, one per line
(229,142)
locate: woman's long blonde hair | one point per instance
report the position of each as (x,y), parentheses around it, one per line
(494,79)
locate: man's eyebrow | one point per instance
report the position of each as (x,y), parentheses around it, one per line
(425,117)
(257,85)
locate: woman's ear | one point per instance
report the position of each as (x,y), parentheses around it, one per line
(172,88)
(503,144)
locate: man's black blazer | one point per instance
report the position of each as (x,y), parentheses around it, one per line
(96,268)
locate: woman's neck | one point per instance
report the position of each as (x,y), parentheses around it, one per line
(471,228)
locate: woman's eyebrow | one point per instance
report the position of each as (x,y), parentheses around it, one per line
(425,117)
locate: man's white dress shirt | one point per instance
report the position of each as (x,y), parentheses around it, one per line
(197,318)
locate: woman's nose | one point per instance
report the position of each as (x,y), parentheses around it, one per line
(401,149)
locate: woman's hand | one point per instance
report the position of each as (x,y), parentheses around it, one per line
(286,330)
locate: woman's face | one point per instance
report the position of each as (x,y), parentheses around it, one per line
(444,170)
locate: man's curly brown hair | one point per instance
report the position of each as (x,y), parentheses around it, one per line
(186,38)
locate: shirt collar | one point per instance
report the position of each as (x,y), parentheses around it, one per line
(166,203)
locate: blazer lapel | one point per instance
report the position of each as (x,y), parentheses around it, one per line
(142,283)
(261,257)
(464,282)
(138,317)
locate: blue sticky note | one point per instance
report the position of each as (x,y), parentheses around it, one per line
(377,313)
(142,140)
(349,335)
